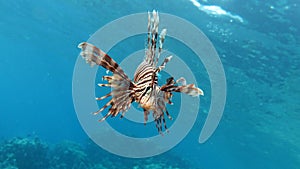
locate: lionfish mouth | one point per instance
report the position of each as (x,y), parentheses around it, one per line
(144,88)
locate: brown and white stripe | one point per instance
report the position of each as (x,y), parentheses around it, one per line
(144,88)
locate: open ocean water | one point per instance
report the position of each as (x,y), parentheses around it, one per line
(258,43)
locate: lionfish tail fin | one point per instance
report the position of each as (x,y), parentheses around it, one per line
(122,87)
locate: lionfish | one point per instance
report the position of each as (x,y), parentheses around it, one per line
(144,88)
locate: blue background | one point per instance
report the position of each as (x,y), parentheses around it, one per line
(261,58)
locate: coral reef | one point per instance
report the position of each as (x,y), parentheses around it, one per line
(68,155)
(23,153)
(31,153)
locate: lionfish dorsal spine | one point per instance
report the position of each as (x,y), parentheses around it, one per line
(153,22)
(161,42)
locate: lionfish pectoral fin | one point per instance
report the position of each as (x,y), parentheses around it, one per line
(170,81)
(104,97)
(106,105)
(119,81)
(188,89)
(104,85)
(112,112)
(181,80)
(94,55)
(104,118)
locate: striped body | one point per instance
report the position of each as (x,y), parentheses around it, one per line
(144,88)
(143,79)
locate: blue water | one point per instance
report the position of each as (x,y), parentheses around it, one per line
(260,55)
